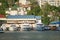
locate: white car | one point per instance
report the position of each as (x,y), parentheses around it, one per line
(26,27)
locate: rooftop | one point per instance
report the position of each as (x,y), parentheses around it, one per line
(23,16)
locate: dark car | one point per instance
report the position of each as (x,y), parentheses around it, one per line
(1,30)
(58,29)
(53,28)
(27,28)
(46,28)
(39,28)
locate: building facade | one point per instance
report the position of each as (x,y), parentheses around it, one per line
(20,21)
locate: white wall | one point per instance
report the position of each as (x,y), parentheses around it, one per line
(22,1)
(38,21)
(12,12)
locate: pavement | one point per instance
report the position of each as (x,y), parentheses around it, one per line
(30,35)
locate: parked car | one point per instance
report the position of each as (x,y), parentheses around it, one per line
(1,30)
(13,28)
(26,28)
(58,29)
(47,28)
(39,28)
(53,28)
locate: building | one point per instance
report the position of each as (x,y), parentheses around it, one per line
(51,2)
(17,17)
(2,16)
(21,21)
(23,6)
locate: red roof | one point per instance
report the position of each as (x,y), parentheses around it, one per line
(2,16)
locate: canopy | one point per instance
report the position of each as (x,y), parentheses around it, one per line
(55,22)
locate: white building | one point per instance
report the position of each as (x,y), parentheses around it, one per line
(21,21)
(51,2)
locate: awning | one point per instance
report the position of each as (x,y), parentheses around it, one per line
(55,22)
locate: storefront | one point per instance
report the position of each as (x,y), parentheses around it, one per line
(15,22)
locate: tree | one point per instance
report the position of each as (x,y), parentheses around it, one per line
(54,11)
(35,8)
(45,20)
(11,2)
(58,12)
(45,11)
(50,10)
(3,6)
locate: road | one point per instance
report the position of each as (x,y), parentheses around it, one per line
(31,35)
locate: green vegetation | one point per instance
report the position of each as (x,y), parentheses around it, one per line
(35,8)
(44,11)
(3,6)
(6,4)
